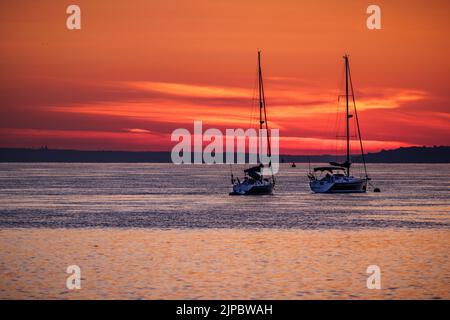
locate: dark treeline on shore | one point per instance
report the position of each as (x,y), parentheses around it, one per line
(436,154)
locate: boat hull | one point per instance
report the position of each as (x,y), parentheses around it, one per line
(353,185)
(252,189)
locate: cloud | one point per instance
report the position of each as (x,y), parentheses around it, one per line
(189,90)
(136,130)
(305,111)
(388,98)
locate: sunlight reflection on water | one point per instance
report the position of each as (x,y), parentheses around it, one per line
(224,264)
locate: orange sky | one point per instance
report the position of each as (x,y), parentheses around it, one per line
(140,69)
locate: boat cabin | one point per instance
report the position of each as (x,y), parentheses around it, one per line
(325,173)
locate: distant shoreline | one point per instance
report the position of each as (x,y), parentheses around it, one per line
(436,154)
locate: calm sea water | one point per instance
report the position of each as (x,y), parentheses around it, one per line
(169,196)
(159,231)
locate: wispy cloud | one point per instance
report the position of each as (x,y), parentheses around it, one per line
(190,90)
(137,130)
(389,98)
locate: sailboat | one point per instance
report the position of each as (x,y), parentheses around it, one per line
(336,177)
(254,182)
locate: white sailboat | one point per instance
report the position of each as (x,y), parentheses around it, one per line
(254,182)
(336,178)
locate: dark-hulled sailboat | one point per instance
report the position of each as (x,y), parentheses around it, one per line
(254,182)
(336,178)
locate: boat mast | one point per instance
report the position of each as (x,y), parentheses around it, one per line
(347,115)
(261,122)
(262,108)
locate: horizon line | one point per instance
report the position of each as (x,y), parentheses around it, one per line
(46,148)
